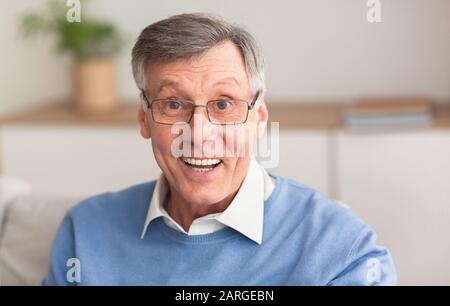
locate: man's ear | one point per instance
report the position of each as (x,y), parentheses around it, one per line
(143,122)
(262,114)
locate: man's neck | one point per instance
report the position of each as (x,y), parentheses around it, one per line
(185,213)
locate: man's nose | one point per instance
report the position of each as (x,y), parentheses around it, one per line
(202,129)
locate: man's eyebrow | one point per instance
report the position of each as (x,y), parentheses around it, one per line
(227,81)
(167,83)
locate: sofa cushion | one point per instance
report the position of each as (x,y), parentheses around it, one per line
(29,225)
(11,189)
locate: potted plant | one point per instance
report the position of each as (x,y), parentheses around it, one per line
(92,43)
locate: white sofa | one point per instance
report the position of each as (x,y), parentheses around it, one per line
(27,227)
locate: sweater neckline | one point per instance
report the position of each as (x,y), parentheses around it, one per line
(220,235)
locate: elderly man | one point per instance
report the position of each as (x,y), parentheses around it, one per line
(211,218)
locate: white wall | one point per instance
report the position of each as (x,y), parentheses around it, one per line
(315,49)
(29,73)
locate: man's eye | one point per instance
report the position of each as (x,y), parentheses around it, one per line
(223,104)
(174,104)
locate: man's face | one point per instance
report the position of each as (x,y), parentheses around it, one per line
(217,74)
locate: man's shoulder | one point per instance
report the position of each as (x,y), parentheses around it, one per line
(336,243)
(136,197)
(312,209)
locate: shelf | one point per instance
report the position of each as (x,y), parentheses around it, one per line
(290,116)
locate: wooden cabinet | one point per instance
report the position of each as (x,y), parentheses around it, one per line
(303,156)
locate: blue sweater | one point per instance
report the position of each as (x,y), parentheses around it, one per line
(307,240)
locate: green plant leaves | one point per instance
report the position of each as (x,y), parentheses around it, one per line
(90,38)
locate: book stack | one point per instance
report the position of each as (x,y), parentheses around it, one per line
(389,113)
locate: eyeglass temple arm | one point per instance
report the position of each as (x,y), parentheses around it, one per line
(255,98)
(144,96)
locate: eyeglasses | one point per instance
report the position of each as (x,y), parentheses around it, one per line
(221,112)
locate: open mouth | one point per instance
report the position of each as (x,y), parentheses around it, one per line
(201,164)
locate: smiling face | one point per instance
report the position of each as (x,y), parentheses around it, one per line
(204,175)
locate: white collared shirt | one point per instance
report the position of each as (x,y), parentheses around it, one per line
(245,213)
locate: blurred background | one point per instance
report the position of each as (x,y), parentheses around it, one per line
(364,112)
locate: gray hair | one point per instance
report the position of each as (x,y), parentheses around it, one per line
(187,35)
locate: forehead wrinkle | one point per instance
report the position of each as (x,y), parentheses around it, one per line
(206,81)
(203,69)
(201,73)
(170,81)
(167,83)
(227,81)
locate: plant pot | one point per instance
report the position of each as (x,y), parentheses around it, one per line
(94,86)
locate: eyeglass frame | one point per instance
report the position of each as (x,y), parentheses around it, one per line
(148,105)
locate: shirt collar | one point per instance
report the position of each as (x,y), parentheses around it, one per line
(245,213)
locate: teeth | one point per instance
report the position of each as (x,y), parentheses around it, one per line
(201,162)
(202,169)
